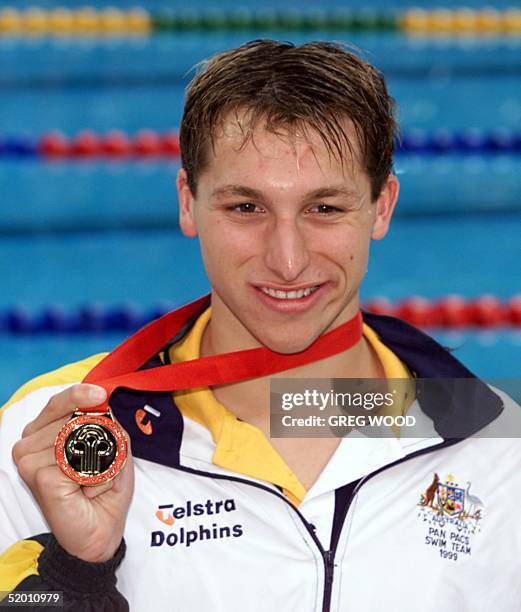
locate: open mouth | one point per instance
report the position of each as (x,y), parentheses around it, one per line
(294,300)
(289,295)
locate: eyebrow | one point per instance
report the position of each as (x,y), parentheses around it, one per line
(241,190)
(331,192)
(249,192)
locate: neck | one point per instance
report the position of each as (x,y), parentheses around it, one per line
(249,399)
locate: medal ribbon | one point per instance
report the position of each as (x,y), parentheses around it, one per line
(118,368)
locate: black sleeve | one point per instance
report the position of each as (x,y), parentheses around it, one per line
(87,587)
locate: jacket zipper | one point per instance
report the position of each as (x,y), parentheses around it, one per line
(329,567)
(328,556)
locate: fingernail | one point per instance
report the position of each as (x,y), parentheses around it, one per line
(97,394)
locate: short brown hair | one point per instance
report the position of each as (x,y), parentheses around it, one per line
(317,85)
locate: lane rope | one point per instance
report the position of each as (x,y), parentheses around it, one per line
(151,143)
(449,312)
(62,21)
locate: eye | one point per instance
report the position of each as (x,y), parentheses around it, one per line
(324,209)
(246,208)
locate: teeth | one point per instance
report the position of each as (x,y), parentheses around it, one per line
(289,295)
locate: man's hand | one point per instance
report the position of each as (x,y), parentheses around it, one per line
(88,522)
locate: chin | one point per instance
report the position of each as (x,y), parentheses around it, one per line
(286,346)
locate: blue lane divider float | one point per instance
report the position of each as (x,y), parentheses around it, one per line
(91,318)
(467,141)
(18,146)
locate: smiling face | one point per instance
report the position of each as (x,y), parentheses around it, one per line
(284,232)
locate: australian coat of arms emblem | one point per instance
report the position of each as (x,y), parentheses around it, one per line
(450,499)
(451,515)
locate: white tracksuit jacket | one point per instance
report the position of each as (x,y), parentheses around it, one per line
(375,532)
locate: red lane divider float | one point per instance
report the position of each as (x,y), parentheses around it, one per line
(115,144)
(451,312)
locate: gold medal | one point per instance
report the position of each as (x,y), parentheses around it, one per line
(91,448)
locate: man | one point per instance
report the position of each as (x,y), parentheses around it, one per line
(286,177)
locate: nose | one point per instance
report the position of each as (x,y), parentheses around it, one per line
(286,253)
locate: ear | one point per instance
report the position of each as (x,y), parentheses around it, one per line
(385,207)
(186,205)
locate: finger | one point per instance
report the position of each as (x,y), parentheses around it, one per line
(29,465)
(92,492)
(39,440)
(51,484)
(65,403)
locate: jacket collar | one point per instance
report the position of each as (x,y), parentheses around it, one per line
(458,408)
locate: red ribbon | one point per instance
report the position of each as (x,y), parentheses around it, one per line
(118,368)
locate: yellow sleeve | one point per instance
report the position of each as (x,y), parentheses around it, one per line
(18,562)
(67,374)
